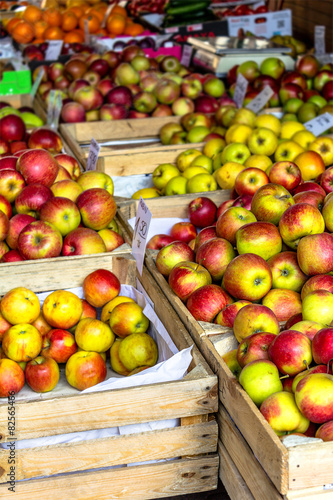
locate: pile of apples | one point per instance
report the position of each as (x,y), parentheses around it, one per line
(48,207)
(15,132)
(266,271)
(64,330)
(127,84)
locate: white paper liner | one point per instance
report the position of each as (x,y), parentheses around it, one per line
(159,225)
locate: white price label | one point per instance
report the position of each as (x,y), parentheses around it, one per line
(94,150)
(320,124)
(186,55)
(141,228)
(36,83)
(86,32)
(53,50)
(319,40)
(261,100)
(240,90)
(50,107)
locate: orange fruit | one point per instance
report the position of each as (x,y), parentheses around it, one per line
(94,23)
(53,33)
(119,10)
(23,32)
(78,11)
(40,27)
(69,21)
(133,29)
(32,14)
(115,24)
(73,37)
(37,41)
(52,16)
(12,23)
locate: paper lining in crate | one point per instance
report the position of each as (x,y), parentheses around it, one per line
(302,471)
(190,399)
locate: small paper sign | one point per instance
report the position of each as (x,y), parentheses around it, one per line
(240,90)
(50,107)
(36,83)
(86,32)
(53,50)
(57,110)
(94,150)
(261,100)
(186,55)
(319,40)
(141,228)
(320,124)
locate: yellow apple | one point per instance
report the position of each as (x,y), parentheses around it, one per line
(136,350)
(20,305)
(94,335)
(268,121)
(128,318)
(108,308)
(289,128)
(258,161)
(226,175)
(62,309)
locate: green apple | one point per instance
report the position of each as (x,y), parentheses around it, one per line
(203,161)
(292,105)
(192,171)
(272,66)
(318,306)
(287,151)
(176,185)
(213,147)
(163,173)
(260,379)
(230,358)
(262,141)
(318,100)
(244,116)
(289,117)
(197,134)
(307,112)
(282,413)
(201,183)
(235,152)
(185,158)
(268,121)
(138,349)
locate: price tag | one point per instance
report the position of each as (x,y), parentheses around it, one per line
(319,41)
(50,107)
(261,100)
(86,32)
(57,110)
(53,50)
(94,150)
(36,83)
(186,55)
(240,90)
(320,124)
(141,228)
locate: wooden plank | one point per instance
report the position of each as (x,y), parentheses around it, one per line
(299,7)
(245,461)
(232,480)
(318,493)
(116,450)
(310,465)
(158,480)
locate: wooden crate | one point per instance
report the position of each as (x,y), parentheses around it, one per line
(130,158)
(269,469)
(175,206)
(85,466)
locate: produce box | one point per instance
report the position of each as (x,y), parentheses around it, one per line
(150,464)
(258,458)
(18,100)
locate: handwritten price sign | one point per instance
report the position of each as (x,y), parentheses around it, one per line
(320,124)
(141,228)
(240,90)
(261,100)
(94,150)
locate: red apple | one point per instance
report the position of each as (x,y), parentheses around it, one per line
(59,345)
(8,163)
(90,97)
(32,198)
(283,302)
(100,286)
(11,378)
(42,374)
(309,186)
(83,241)
(204,235)
(290,352)
(314,395)
(73,112)
(183,231)
(97,208)
(322,346)
(39,240)
(286,272)
(249,180)
(62,213)
(325,431)
(70,164)
(260,238)
(159,241)
(119,95)
(227,316)
(207,301)
(11,184)
(254,347)
(11,256)
(38,166)
(172,254)
(202,212)
(215,254)
(45,138)
(12,128)
(315,254)
(285,173)
(85,369)
(16,224)
(318,282)
(186,277)
(231,220)
(270,202)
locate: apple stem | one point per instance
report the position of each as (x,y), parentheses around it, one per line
(306,364)
(284,376)
(328,365)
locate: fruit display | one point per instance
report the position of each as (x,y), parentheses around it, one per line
(30,121)
(36,25)
(75,333)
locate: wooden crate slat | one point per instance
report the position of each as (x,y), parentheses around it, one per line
(317,493)
(140,482)
(118,450)
(310,464)
(232,480)
(242,456)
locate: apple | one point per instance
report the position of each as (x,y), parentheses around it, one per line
(93,334)
(247,277)
(260,238)
(38,166)
(183,231)
(12,128)
(214,87)
(204,235)
(138,350)
(112,239)
(11,184)
(254,347)
(62,309)
(323,146)
(314,395)
(311,197)
(166,91)
(76,85)
(4,226)
(305,373)
(201,183)
(249,180)
(230,359)
(202,212)
(310,164)
(308,65)
(73,112)
(100,286)
(62,213)
(191,87)
(42,374)
(172,254)
(144,101)
(319,245)
(162,110)
(83,241)
(207,301)
(224,207)
(273,67)
(128,318)
(227,315)
(85,369)
(291,352)
(75,68)
(231,220)
(283,415)
(260,379)
(167,131)
(249,69)
(20,305)
(317,282)
(317,306)
(270,202)
(31,199)
(262,141)
(94,179)
(4,325)
(186,277)
(6,207)
(22,342)
(298,221)
(163,173)
(11,256)
(286,272)
(116,364)
(39,240)
(283,302)
(322,346)
(206,104)
(42,325)
(290,91)
(8,163)
(67,188)
(43,138)
(254,318)
(325,431)
(159,241)
(11,378)
(215,254)
(326,180)
(309,186)
(321,78)
(327,90)
(285,173)
(235,152)
(97,208)
(70,164)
